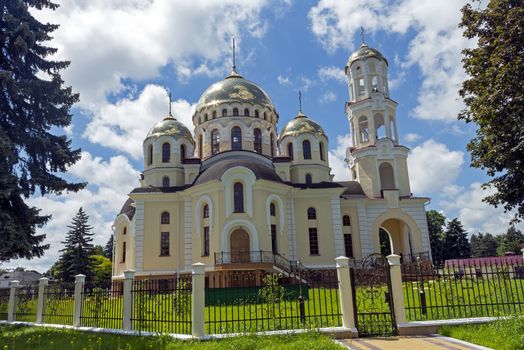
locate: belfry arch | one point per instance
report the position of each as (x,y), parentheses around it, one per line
(403,233)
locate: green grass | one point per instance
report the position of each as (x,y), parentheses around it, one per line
(20,338)
(499,335)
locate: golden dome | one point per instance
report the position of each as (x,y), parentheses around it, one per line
(234,88)
(301,125)
(169,126)
(365,52)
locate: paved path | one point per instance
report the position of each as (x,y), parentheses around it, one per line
(407,343)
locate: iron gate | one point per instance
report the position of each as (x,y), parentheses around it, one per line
(372,297)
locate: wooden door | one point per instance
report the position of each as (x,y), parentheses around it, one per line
(240,246)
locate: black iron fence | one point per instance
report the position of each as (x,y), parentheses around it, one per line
(59,302)
(464,288)
(4,303)
(243,301)
(102,305)
(26,300)
(162,305)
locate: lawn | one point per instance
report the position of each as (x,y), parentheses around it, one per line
(499,335)
(20,338)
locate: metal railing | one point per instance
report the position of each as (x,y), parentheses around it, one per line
(26,298)
(4,302)
(102,305)
(59,300)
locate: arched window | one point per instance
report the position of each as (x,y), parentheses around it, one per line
(272,209)
(321,150)
(272,144)
(214,114)
(200,152)
(256,114)
(166,152)
(236,138)
(150,154)
(306,149)
(258,140)
(363,127)
(311,213)
(165,181)
(246,112)
(182,152)
(235,112)
(346,221)
(124,231)
(164,218)
(205,117)
(205,211)
(380,127)
(309,179)
(387,178)
(224,112)
(290,150)
(215,142)
(238,197)
(265,116)
(361,87)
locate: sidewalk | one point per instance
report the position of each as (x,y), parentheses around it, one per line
(430,342)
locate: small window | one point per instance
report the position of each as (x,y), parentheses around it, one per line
(306,149)
(215,142)
(205,117)
(235,112)
(246,112)
(311,214)
(149,154)
(214,114)
(348,245)
(346,221)
(200,146)
(124,231)
(123,252)
(182,152)
(309,179)
(272,145)
(313,241)
(321,150)
(165,181)
(205,213)
(164,218)
(265,116)
(290,150)
(258,141)
(238,197)
(205,248)
(164,243)
(166,152)
(272,209)
(256,114)
(236,138)
(224,113)
(274,246)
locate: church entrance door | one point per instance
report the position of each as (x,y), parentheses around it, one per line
(240,246)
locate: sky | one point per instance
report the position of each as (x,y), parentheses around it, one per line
(125,55)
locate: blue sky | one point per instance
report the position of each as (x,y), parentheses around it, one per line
(125,53)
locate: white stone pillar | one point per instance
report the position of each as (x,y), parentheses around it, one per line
(79,288)
(345,294)
(396,288)
(198,300)
(11,307)
(127,299)
(41,301)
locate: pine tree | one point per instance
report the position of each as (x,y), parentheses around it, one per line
(483,245)
(456,244)
(76,256)
(33,102)
(436,223)
(513,240)
(108,249)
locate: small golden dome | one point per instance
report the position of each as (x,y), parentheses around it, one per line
(301,124)
(169,126)
(365,52)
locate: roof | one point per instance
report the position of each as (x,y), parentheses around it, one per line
(353,189)
(365,52)
(315,185)
(153,189)
(492,260)
(301,124)
(234,88)
(214,167)
(169,126)
(128,208)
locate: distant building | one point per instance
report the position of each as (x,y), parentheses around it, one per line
(25,278)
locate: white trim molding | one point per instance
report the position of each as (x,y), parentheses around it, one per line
(275,198)
(237,224)
(205,199)
(248,178)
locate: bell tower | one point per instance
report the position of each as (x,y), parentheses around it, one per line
(375,159)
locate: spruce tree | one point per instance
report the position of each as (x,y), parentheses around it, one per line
(33,104)
(76,255)
(436,222)
(483,245)
(513,241)
(456,244)
(108,249)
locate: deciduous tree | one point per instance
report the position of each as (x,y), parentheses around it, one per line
(483,245)
(436,222)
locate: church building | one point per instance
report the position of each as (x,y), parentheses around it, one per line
(240,195)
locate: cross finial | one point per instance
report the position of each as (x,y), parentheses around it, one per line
(299,101)
(362,35)
(234,59)
(169,94)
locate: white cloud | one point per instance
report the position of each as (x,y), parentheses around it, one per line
(332,73)
(108,41)
(432,166)
(337,158)
(284,81)
(122,126)
(328,97)
(109,183)
(476,215)
(435,48)
(412,137)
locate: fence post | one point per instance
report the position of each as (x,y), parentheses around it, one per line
(396,288)
(198,300)
(345,293)
(40,303)
(11,307)
(79,288)
(522,250)
(127,313)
